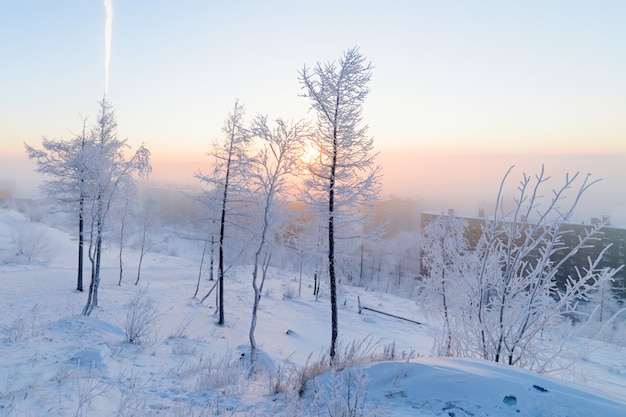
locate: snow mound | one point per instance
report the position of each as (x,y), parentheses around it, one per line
(459,387)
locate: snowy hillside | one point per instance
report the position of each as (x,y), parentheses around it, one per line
(53,362)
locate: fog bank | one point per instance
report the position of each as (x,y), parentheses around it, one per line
(465,181)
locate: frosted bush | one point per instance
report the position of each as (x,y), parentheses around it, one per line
(142,315)
(29,245)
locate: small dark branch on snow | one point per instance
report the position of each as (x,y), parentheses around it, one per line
(361,308)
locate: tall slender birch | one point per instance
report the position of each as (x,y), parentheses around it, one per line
(230,157)
(344,173)
(269,171)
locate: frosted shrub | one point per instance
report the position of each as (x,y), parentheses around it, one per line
(180,332)
(133,400)
(142,315)
(36,214)
(30,245)
(291,292)
(226,372)
(88,387)
(15,330)
(500,298)
(21,327)
(342,394)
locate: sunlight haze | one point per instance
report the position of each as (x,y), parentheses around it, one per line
(460,91)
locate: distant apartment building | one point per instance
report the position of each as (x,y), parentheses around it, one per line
(612,237)
(397,215)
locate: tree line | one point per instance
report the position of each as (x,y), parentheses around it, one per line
(254,165)
(495,301)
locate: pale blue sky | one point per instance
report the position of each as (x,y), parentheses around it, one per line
(459,76)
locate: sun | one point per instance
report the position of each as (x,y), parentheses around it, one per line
(311,154)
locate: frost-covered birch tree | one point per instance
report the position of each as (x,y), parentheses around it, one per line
(443,250)
(108,171)
(63,162)
(344,173)
(207,229)
(230,158)
(513,308)
(520,254)
(145,241)
(279,154)
(121,212)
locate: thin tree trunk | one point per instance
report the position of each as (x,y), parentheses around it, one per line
(212,257)
(445,313)
(141,255)
(200,271)
(119,283)
(220,267)
(331,251)
(500,343)
(601,302)
(95,258)
(79,282)
(388,279)
(220,293)
(96,280)
(255,308)
(300,280)
(96,285)
(333,288)
(444,265)
(361,266)
(92,259)
(209,293)
(217,299)
(255,286)
(257,300)
(81,224)
(389,274)
(85,311)
(92,299)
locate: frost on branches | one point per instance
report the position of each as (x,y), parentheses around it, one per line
(501,301)
(343,177)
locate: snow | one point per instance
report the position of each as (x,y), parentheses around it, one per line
(54,362)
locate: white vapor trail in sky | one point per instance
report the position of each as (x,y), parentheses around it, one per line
(108,29)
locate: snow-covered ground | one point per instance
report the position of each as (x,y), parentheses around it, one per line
(54,362)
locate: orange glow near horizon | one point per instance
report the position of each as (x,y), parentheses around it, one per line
(445,178)
(177,167)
